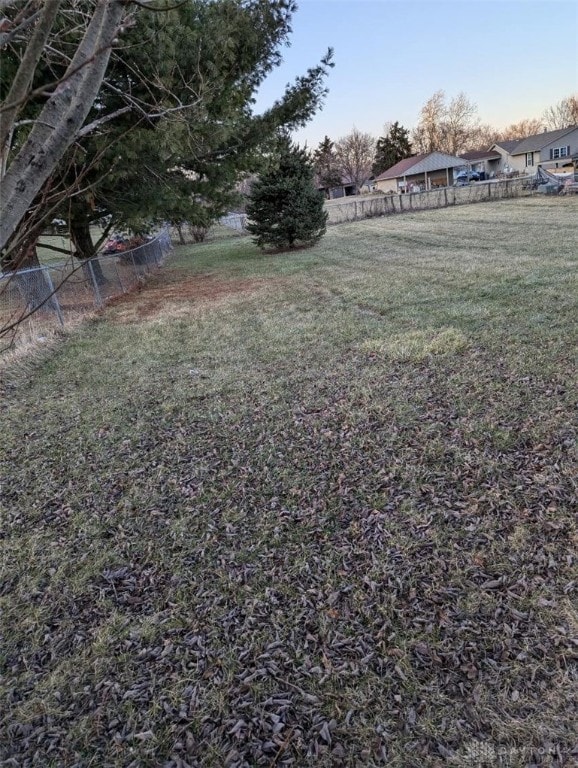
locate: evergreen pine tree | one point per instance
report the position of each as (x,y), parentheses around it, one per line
(325,164)
(285,209)
(391,148)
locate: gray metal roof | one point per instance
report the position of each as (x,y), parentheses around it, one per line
(508,146)
(434,161)
(481,155)
(535,143)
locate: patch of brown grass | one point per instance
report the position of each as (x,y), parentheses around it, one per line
(170,293)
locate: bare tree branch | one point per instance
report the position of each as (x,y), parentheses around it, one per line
(47,88)
(563,114)
(6,37)
(144,108)
(90,127)
(10,3)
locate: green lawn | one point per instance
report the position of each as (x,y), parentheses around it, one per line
(304,509)
(46,255)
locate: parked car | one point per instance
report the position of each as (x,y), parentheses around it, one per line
(122,243)
(115,244)
(465,177)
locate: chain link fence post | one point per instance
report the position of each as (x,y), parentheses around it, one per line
(95,287)
(54,298)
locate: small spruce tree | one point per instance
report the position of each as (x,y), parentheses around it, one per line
(325,164)
(285,210)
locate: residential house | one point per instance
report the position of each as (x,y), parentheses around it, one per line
(434,169)
(555,151)
(504,149)
(345,189)
(367,186)
(487,164)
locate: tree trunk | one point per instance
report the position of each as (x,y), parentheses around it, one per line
(61,117)
(24,75)
(80,235)
(84,246)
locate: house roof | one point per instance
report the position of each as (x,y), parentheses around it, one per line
(536,142)
(508,145)
(399,169)
(345,181)
(481,155)
(432,161)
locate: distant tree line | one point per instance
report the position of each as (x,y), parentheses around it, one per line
(445,126)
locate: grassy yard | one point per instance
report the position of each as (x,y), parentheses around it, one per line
(309,509)
(47,256)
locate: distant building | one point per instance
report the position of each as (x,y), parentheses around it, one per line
(555,151)
(487,164)
(434,169)
(345,188)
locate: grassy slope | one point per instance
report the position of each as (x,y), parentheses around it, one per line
(313,508)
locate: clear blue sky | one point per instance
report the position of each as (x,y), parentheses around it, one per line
(513,58)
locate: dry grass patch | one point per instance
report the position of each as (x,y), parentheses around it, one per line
(169,294)
(417,345)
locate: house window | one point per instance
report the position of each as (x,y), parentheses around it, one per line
(529,158)
(559,152)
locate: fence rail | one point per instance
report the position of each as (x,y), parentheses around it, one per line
(55,294)
(237,221)
(368,206)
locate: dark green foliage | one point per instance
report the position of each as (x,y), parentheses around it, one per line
(326,165)
(189,76)
(285,209)
(391,148)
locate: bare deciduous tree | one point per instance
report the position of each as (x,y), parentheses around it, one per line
(446,127)
(483,137)
(426,137)
(355,154)
(563,114)
(459,124)
(521,130)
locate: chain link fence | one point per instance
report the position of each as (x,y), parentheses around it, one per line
(236,221)
(54,295)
